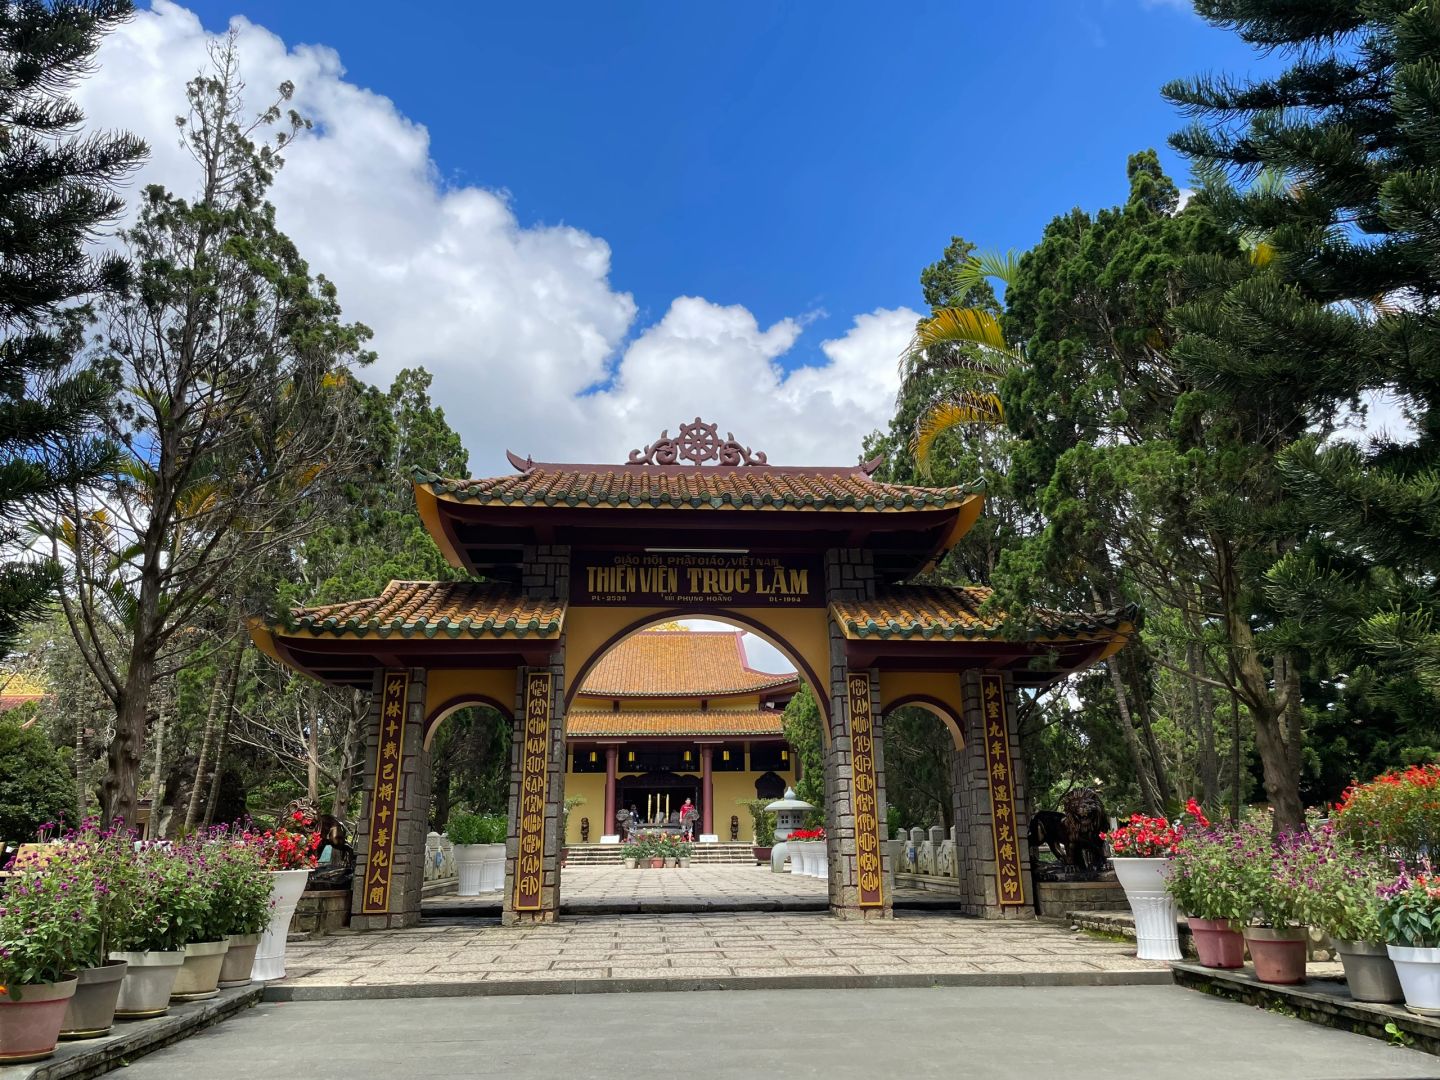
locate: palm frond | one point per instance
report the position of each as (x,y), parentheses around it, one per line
(980,407)
(984,265)
(970,326)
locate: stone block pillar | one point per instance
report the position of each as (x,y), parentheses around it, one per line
(861,881)
(991,822)
(395,809)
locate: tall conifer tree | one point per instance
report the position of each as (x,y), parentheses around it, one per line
(57,188)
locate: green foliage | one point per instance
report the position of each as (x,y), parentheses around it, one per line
(1410,913)
(762,821)
(571,802)
(464,829)
(35,784)
(802,722)
(1396,815)
(1207,878)
(655,845)
(240,887)
(169,903)
(57,190)
(37,944)
(919,750)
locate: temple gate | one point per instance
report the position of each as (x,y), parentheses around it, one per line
(566,560)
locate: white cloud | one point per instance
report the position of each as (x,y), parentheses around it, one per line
(519,324)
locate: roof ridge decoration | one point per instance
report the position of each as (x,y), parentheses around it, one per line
(697,442)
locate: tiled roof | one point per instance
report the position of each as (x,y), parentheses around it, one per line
(685,663)
(714,722)
(927,612)
(698,488)
(454,609)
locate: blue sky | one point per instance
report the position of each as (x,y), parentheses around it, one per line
(794,158)
(592,222)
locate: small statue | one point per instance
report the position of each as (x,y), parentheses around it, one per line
(623,827)
(1084,821)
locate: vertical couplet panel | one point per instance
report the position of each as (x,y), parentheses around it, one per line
(1001,773)
(386,797)
(534,776)
(867,807)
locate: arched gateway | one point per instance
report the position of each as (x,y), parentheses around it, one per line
(575,557)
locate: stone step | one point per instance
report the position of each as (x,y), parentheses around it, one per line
(700,854)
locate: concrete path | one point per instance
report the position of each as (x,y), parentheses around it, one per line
(1111,1033)
(649,952)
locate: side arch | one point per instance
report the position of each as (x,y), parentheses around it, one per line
(939,709)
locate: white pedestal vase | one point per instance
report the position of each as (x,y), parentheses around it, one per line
(286,888)
(1419,971)
(1157,935)
(469,862)
(810,860)
(492,867)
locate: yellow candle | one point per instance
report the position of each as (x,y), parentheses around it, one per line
(667,807)
(648,815)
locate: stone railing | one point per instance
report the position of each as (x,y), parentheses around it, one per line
(925,859)
(439,858)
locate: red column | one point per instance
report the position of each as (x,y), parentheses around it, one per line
(612,758)
(707,792)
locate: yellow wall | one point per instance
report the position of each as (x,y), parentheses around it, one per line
(445,684)
(592,787)
(943,687)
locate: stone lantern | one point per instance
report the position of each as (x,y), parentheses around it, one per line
(789,815)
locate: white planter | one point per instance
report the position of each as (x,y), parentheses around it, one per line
(149,978)
(480,868)
(286,887)
(1419,971)
(1157,935)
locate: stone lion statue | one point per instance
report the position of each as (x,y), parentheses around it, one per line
(1084,822)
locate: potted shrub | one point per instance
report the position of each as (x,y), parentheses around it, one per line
(99,866)
(479,841)
(1410,917)
(685,849)
(570,802)
(763,822)
(1143,848)
(1204,882)
(37,956)
(148,935)
(1347,909)
(288,854)
(1396,815)
(632,852)
(240,890)
(205,922)
(1277,879)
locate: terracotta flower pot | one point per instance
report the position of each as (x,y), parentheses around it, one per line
(239,959)
(1217,941)
(199,975)
(30,1027)
(762,855)
(145,990)
(1279,953)
(1369,971)
(286,888)
(91,1012)
(656,864)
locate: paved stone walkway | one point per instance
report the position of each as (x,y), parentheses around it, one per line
(731,950)
(611,890)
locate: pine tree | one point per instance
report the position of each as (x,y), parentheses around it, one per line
(57,189)
(1349,132)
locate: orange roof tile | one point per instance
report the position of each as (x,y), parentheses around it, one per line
(688,663)
(698,488)
(451,609)
(946,613)
(584,723)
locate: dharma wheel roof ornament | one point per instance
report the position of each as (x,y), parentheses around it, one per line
(697,442)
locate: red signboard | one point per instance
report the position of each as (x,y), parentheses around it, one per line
(1000,769)
(385,798)
(866,796)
